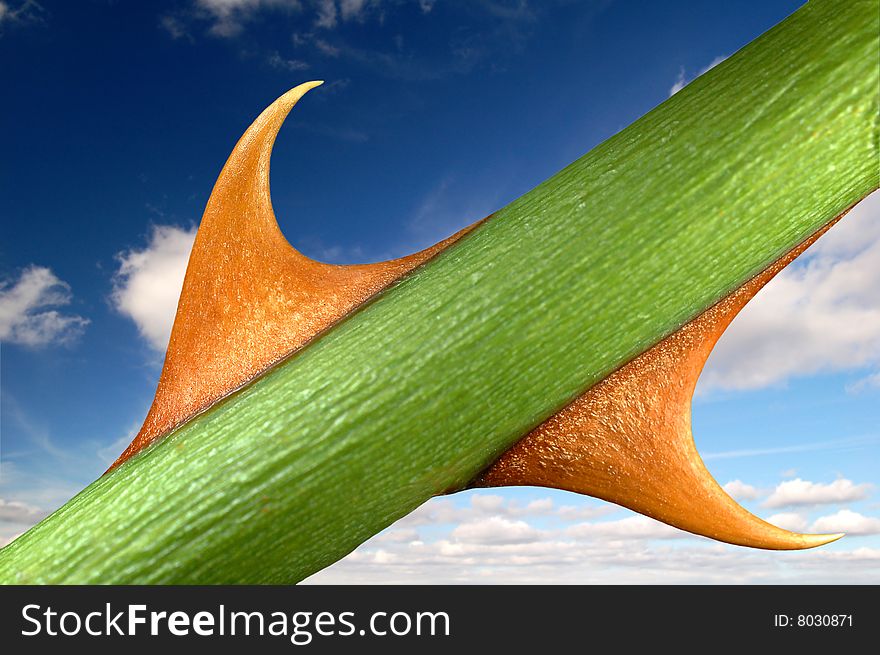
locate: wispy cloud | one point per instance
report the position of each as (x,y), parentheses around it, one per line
(330,50)
(19,13)
(868,383)
(444,209)
(837,444)
(275,60)
(47,485)
(683,79)
(27,314)
(391,63)
(147,285)
(331,87)
(43,473)
(227,18)
(496,31)
(108,453)
(321,29)
(34,430)
(335,254)
(174,27)
(327,14)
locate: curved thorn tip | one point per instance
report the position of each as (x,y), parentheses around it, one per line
(628,439)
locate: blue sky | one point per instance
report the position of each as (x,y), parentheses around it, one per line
(119,116)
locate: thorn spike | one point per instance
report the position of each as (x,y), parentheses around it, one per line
(250,299)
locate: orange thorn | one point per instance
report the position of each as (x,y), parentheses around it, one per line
(250,299)
(628,439)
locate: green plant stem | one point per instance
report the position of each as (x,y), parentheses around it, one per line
(421,389)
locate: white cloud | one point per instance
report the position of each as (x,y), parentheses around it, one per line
(487,503)
(803,492)
(439,511)
(26,314)
(632,527)
(399,536)
(495,530)
(852,523)
(585,512)
(867,555)
(679,82)
(634,549)
(16,517)
(822,314)
(538,507)
(483,506)
(682,81)
(789,521)
(14,511)
(739,490)
(147,285)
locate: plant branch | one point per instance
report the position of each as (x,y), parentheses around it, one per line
(421,389)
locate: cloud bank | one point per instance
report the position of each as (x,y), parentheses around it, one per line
(497,540)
